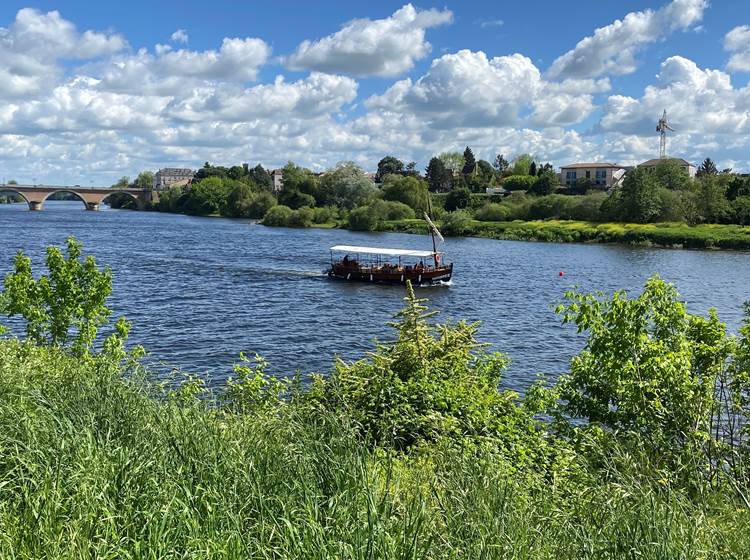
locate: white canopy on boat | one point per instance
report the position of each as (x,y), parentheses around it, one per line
(382,251)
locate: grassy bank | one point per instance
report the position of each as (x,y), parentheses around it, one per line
(97,466)
(707,236)
(641,450)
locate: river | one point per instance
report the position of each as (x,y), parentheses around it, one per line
(201,290)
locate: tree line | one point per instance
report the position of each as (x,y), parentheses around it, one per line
(460,188)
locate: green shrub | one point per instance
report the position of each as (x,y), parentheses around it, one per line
(433,382)
(301,217)
(277,216)
(457,223)
(458,198)
(518,182)
(325,215)
(363,219)
(295,199)
(66,306)
(493,213)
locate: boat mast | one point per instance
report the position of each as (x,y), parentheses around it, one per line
(432,230)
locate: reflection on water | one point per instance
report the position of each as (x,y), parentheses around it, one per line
(200,290)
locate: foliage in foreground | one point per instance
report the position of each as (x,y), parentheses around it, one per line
(414,451)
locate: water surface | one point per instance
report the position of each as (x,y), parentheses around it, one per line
(200,290)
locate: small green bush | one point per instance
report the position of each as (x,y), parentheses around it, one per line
(518,182)
(277,216)
(493,213)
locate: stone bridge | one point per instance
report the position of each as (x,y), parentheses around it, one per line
(92,197)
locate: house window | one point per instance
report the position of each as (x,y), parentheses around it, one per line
(601,177)
(570,177)
(588,174)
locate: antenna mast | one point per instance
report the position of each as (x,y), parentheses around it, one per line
(662,128)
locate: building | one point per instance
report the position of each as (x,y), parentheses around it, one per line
(277,176)
(602,175)
(686,165)
(168,176)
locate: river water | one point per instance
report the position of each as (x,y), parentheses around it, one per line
(201,290)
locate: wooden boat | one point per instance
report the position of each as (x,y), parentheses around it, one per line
(391,266)
(388,266)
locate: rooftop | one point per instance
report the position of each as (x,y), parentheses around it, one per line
(655,162)
(591,165)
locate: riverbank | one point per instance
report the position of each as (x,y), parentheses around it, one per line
(673,235)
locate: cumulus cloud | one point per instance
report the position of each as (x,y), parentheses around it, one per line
(470,89)
(364,47)
(82,105)
(737,42)
(168,71)
(32,45)
(179,36)
(698,101)
(612,49)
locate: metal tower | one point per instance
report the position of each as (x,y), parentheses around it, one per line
(662,128)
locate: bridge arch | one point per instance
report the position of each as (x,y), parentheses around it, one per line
(7,189)
(77,195)
(138,202)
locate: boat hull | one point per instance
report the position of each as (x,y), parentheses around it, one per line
(429,276)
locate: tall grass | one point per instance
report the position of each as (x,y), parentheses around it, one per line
(98,464)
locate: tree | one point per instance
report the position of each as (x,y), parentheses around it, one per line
(648,368)
(261,177)
(453,161)
(411,169)
(639,201)
(738,186)
(518,182)
(545,184)
(409,190)
(12,182)
(711,200)
(438,176)
(457,199)
(122,183)
(389,165)
(708,167)
(500,163)
(348,186)
(470,163)
(64,307)
(145,180)
(522,164)
(532,169)
(207,196)
(671,174)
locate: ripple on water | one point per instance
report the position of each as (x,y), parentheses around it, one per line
(200,290)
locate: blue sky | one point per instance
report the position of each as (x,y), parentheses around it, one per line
(90,91)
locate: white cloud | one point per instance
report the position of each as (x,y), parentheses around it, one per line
(697,101)
(364,47)
(737,42)
(114,111)
(492,23)
(32,45)
(469,89)
(612,49)
(466,89)
(179,36)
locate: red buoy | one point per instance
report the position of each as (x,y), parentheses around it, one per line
(561,273)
